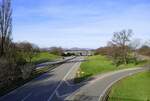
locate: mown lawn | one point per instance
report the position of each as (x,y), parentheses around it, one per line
(99,64)
(134,88)
(96,64)
(44,57)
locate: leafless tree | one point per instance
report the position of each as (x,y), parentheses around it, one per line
(5,25)
(104,50)
(114,53)
(56,50)
(144,50)
(121,41)
(134,45)
(27,50)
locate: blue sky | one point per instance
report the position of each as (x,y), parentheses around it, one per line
(78,23)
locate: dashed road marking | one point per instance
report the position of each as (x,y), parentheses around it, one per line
(49,99)
(26,97)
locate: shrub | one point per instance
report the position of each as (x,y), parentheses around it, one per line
(8,72)
(26,70)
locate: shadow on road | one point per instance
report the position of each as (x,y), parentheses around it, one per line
(42,88)
(45,87)
(66,89)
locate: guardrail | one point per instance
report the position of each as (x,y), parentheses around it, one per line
(42,65)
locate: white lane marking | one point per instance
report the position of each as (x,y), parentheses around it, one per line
(68,83)
(101,95)
(26,97)
(102,76)
(62,82)
(57,94)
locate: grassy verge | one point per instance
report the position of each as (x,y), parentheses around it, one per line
(99,64)
(134,88)
(44,57)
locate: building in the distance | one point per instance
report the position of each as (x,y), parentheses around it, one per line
(81,52)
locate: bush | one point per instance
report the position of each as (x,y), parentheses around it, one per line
(26,70)
(56,51)
(20,60)
(8,72)
(11,71)
(41,61)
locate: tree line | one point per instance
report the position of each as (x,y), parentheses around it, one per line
(15,58)
(122,49)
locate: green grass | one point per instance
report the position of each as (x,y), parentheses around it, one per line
(99,64)
(134,88)
(44,57)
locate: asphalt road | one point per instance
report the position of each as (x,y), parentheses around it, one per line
(49,86)
(57,85)
(95,89)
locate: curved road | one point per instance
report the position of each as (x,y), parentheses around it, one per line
(95,89)
(57,85)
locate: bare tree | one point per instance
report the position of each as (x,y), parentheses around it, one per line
(5,25)
(144,50)
(103,51)
(114,53)
(56,51)
(134,45)
(27,50)
(121,41)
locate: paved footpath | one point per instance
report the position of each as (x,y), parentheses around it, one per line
(95,89)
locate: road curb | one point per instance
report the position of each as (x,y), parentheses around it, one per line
(105,95)
(97,78)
